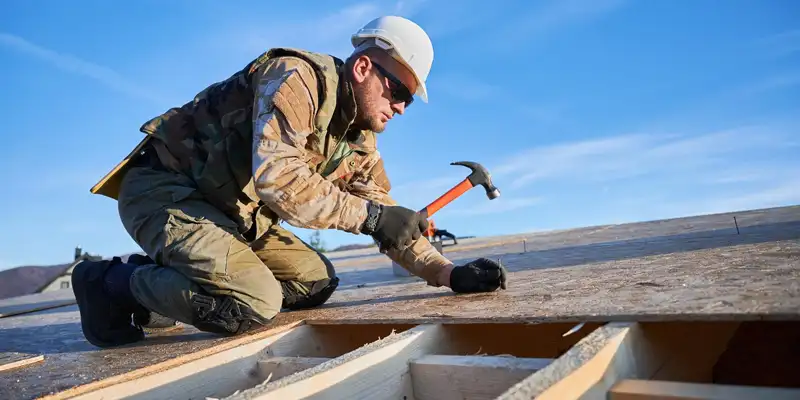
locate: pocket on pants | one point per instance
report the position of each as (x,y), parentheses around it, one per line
(198,238)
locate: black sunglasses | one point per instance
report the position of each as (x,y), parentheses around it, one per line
(400,91)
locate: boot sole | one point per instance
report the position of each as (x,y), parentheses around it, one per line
(79,275)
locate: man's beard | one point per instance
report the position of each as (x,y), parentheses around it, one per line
(361,120)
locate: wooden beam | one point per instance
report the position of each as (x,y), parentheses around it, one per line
(12,360)
(233,366)
(274,368)
(376,371)
(629,389)
(444,377)
(383,368)
(669,351)
(330,341)
(542,340)
(216,371)
(583,352)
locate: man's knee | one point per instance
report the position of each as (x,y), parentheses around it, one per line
(226,315)
(208,306)
(319,284)
(301,295)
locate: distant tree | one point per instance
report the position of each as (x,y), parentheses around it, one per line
(316,242)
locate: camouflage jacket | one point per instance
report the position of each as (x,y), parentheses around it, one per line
(274,141)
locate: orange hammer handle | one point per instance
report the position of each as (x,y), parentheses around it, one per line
(446,198)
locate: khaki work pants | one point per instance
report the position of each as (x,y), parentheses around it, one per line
(197,249)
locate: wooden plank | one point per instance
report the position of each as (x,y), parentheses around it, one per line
(668,351)
(469,377)
(11,360)
(706,275)
(378,370)
(626,355)
(234,366)
(599,343)
(330,340)
(687,269)
(629,389)
(211,373)
(382,369)
(35,302)
(274,368)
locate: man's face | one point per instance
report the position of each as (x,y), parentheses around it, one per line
(383,87)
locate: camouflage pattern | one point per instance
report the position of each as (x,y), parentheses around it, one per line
(272,142)
(197,249)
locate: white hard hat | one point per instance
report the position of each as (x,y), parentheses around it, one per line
(410,44)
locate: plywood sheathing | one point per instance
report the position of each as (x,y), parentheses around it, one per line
(35,302)
(11,360)
(698,268)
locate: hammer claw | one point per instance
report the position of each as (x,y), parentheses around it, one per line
(479,176)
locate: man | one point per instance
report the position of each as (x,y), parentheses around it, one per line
(292,137)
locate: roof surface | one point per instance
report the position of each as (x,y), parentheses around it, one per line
(689,268)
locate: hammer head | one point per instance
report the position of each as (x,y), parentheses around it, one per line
(480,176)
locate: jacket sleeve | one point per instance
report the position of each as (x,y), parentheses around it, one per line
(421,258)
(286,101)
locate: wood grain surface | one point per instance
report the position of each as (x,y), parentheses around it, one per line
(681,269)
(12,360)
(35,302)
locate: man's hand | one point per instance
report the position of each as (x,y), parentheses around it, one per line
(398,227)
(481,275)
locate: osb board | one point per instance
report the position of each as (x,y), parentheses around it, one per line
(35,302)
(715,274)
(647,281)
(69,360)
(713,224)
(13,359)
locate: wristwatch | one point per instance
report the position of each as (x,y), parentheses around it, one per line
(373,213)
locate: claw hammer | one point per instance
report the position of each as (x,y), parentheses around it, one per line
(479,176)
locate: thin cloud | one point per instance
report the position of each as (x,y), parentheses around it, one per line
(776,194)
(636,155)
(328,33)
(770,83)
(70,63)
(550,17)
(781,44)
(499,205)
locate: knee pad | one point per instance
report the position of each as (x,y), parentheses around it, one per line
(225,315)
(301,295)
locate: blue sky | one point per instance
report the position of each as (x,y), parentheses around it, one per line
(586,112)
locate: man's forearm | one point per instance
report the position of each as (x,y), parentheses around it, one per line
(424,261)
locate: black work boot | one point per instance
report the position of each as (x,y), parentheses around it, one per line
(106,312)
(150,321)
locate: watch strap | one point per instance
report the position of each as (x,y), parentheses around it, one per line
(371,223)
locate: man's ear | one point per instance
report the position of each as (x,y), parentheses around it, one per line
(361,68)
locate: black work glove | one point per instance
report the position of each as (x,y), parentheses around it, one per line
(398,227)
(481,275)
